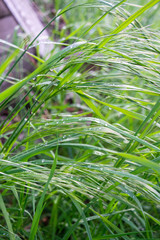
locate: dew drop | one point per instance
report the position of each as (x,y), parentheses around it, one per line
(2,155)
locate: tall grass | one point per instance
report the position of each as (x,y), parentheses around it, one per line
(80,145)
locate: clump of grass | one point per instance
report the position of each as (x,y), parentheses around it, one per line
(80,146)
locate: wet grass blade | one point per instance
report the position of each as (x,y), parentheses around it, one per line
(124,111)
(40,205)
(80,210)
(128,21)
(7,219)
(45,67)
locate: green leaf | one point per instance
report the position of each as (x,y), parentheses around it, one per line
(40,205)
(128,21)
(7,219)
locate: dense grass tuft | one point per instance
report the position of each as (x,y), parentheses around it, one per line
(80,147)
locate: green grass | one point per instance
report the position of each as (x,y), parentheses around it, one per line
(80,147)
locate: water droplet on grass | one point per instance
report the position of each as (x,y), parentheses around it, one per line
(2,155)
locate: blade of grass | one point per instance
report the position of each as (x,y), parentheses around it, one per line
(44,67)
(80,210)
(102,17)
(53,19)
(128,21)
(148,117)
(7,219)
(124,111)
(40,205)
